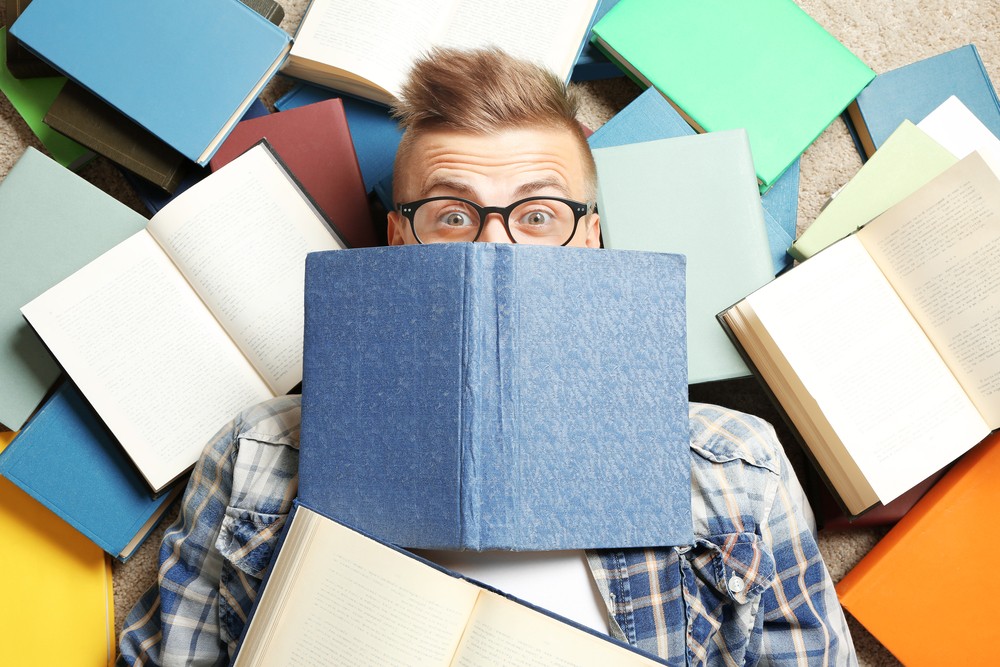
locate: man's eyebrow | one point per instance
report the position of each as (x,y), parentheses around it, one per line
(449,185)
(529,189)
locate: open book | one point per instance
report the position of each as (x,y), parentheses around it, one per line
(366,49)
(174,330)
(337,597)
(884,348)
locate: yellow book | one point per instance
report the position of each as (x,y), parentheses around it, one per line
(56,605)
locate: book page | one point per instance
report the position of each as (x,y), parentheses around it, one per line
(241,237)
(897,408)
(147,354)
(940,249)
(337,597)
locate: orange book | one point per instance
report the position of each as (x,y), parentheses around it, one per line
(927,591)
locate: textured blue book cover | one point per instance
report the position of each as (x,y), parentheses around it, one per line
(66,459)
(912,91)
(481,396)
(185,71)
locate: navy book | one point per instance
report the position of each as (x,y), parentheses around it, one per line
(498,397)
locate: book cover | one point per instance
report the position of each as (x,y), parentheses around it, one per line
(696,196)
(52,222)
(184,72)
(912,91)
(52,578)
(650,116)
(67,460)
(494,396)
(591,64)
(904,590)
(21,62)
(764,66)
(315,143)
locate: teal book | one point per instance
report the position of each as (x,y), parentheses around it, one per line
(66,459)
(52,223)
(185,71)
(696,196)
(912,91)
(764,66)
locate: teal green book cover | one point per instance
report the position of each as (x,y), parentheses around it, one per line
(765,66)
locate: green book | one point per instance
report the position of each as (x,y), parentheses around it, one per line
(52,222)
(31,98)
(907,160)
(697,196)
(765,66)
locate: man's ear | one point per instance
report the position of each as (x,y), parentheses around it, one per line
(395,231)
(594,231)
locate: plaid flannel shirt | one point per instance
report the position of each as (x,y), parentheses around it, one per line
(753,588)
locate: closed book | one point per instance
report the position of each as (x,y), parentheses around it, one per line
(591,64)
(912,91)
(315,144)
(67,460)
(649,117)
(52,222)
(764,66)
(186,72)
(21,62)
(495,396)
(57,591)
(904,590)
(696,196)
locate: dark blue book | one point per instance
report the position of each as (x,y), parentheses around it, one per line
(66,458)
(494,396)
(591,64)
(912,91)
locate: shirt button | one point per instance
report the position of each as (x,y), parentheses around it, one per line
(736,584)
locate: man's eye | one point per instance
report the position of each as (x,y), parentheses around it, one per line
(455,219)
(535,218)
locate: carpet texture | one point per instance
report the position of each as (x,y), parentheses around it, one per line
(885,35)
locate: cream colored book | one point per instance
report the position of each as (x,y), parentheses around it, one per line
(337,597)
(883,349)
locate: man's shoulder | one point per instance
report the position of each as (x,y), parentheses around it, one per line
(274,421)
(721,434)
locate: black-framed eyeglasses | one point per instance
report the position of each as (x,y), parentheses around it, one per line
(533,220)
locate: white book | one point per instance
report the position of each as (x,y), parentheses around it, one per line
(956,128)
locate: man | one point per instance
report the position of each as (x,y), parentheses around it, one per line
(492,152)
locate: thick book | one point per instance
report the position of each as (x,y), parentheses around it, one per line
(912,91)
(881,349)
(68,461)
(186,72)
(57,590)
(696,196)
(31,98)
(904,590)
(314,141)
(179,327)
(765,66)
(52,223)
(649,117)
(497,396)
(329,582)
(368,54)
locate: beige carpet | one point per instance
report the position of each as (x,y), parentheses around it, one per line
(885,35)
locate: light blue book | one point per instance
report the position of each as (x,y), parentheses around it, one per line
(649,117)
(185,71)
(494,396)
(67,460)
(52,222)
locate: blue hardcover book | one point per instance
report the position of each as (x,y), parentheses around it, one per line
(65,458)
(185,71)
(912,91)
(374,133)
(591,64)
(650,116)
(498,397)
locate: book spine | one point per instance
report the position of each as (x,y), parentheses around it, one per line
(469,500)
(986,76)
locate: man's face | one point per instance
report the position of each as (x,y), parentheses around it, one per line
(494,170)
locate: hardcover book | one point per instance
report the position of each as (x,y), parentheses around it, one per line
(186,72)
(21,63)
(518,391)
(52,223)
(329,581)
(368,54)
(696,196)
(315,143)
(881,349)
(66,459)
(765,66)
(177,328)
